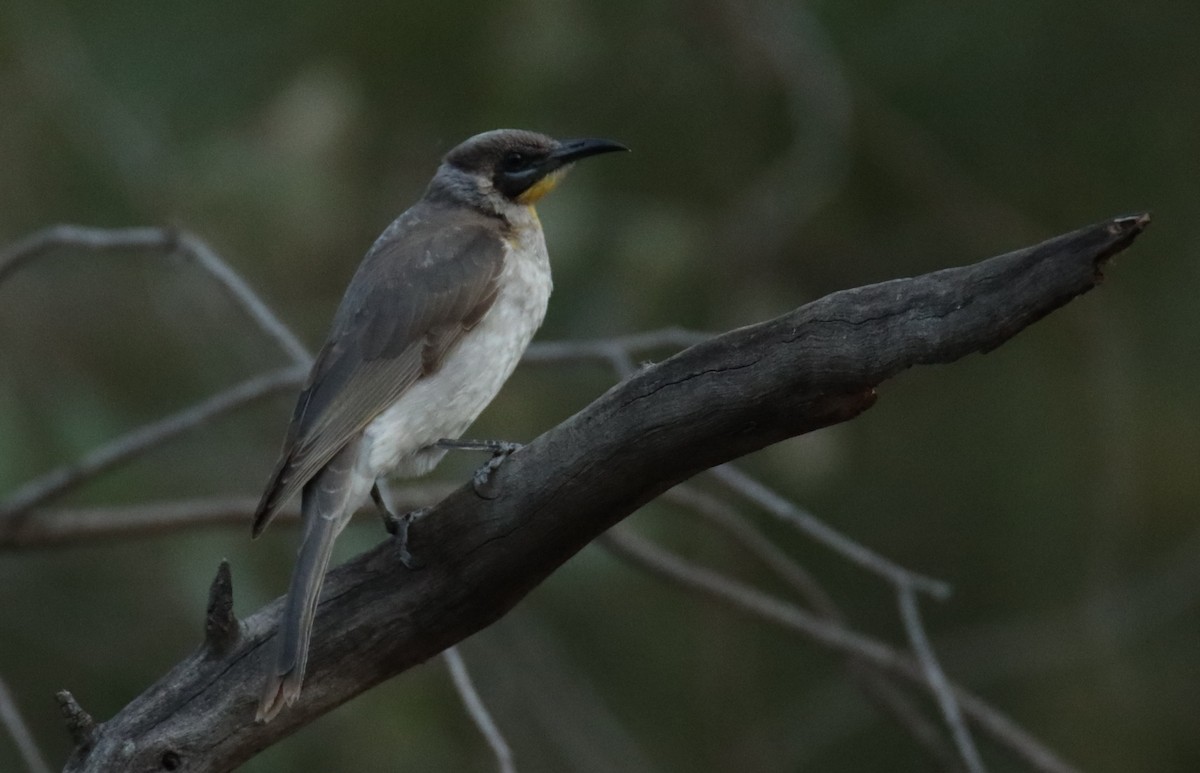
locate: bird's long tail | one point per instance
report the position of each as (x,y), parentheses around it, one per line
(327,503)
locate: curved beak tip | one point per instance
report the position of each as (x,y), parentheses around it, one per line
(573,150)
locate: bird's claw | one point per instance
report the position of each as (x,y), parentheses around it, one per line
(484,478)
(397,526)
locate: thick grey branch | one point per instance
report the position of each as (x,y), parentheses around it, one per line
(711,403)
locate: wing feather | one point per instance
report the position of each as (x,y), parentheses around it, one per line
(427,280)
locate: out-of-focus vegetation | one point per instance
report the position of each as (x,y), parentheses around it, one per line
(782,150)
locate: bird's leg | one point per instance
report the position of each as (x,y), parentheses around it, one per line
(397,525)
(483,478)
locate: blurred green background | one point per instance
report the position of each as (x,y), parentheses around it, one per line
(782,151)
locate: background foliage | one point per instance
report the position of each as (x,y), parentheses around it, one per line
(782,151)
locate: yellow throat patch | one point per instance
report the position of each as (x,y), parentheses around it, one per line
(535,192)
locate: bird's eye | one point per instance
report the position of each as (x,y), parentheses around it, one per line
(514,160)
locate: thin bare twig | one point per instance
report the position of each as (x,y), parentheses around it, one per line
(906,582)
(72,525)
(479,713)
(617,351)
(876,685)
(781,508)
(121,449)
(237,288)
(164,240)
(761,606)
(63,479)
(754,542)
(10,717)
(910,613)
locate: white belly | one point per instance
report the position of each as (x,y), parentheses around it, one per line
(444,404)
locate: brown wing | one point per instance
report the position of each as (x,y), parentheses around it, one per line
(428,279)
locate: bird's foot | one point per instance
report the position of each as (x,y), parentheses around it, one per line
(484,477)
(397,525)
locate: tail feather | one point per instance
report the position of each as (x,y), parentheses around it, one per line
(328,501)
(272,496)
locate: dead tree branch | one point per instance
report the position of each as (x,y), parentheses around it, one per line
(711,403)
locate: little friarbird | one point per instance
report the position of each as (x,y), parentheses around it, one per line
(433,323)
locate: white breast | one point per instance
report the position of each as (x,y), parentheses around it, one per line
(444,404)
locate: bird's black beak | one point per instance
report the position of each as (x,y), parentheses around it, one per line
(569,151)
(531,183)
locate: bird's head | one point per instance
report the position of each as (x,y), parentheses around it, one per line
(507,167)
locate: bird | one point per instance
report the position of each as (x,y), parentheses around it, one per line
(433,322)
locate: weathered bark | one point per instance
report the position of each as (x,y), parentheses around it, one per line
(815,366)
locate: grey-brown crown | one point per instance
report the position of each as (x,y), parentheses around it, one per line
(514,160)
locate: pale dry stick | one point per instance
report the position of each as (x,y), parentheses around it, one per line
(935,677)
(11,718)
(157,239)
(761,606)
(148,436)
(55,527)
(237,288)
(609,349)
(876,685)
(905,581)
(65,478)
(576,729)
(724,517)
(756,492)
(478,712)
